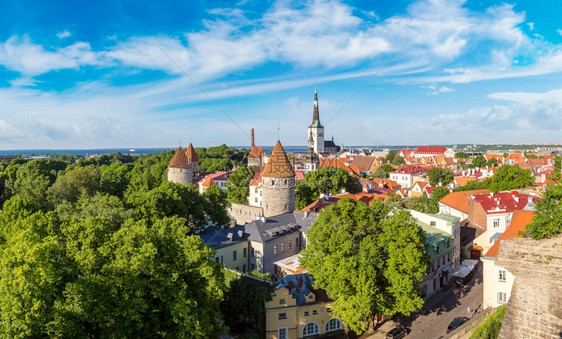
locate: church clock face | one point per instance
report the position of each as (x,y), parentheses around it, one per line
(320,134)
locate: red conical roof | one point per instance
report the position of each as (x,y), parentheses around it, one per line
(278,164)
(191,154)
(179,160)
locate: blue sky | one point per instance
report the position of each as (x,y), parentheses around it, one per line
(87,74)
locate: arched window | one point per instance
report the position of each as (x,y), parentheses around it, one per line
(333,325)
(310,329)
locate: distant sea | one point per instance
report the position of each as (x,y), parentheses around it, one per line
(99,151)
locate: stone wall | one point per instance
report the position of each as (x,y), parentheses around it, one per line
(466,330)
(535,306)
(243,214)
(278,195)
(183,176)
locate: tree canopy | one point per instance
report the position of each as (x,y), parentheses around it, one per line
(324,180)
(548,219)
(509,177)
(383,171)
(369,261)
(440,176)
(237,186)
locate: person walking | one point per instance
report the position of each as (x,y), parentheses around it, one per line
(468,310)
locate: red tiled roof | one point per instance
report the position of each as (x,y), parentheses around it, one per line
(520,220)
(256,180)
(256,152)
(191,154)
(430,150)
(503,202)
(179,160)
(210,179)
(410,169)
(278,164)
(363,163)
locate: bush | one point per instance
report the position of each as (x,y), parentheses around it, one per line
(490,329)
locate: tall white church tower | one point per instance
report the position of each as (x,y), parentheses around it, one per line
(316,129)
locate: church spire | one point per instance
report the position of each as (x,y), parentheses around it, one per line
(315,113)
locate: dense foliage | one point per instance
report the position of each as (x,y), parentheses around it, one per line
(490,329)
(548,219)
(220,158)
(510,177)
(102,247)
(369,261)
(383,171)
(237,189)
(324,180)
(440,176)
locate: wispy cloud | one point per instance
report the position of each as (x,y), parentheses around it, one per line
(63,34)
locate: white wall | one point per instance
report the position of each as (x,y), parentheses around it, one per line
(492,284)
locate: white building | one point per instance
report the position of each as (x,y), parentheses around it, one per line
(408,175)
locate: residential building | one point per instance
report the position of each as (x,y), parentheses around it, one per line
(406,176)
(231,245)
(297,310)
(418,189)
(498,281)
(255,197)
(214,179)
(426,151)
(456,203)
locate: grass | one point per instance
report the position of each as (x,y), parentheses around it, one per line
(490,329)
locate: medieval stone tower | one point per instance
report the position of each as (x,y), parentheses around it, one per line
(192,158)
(179,169)
(316,128)
(278,184)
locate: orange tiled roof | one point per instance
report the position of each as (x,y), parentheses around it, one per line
(520,220)
(278,164)
(459,200)
(335,162)
(363,163)
(489,156)
(179,160)
(256,152)
(462,181)
(191,154)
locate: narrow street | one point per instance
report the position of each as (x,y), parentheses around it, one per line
(440,309)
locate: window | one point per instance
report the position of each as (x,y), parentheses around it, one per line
(252,252)
(310,329)
(290,244)
(297,242)
(245,252)
(244,268)
(333,325)
(222,259)
(314,312)
(502,298)
(423,290)
(432,223)
(253,267)
(256,199)
(434,284)
(306,313)
(217,259)
(282,333)
(238,268)
(502,275)
(282,247)
(282,301)
(282,315)
(310,296)
(496,222)
(275,249)
(234,255)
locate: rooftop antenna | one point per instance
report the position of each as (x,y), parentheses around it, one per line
(277,129)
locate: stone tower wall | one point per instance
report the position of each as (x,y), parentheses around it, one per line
(535,307)
(195,165)
(278,195)
(183,176)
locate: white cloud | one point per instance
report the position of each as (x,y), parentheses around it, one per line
(559,31)
(9,132)
(22,55)
(433,89)
(63,34)
(531,26)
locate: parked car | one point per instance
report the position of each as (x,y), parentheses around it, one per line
(397,333)
(456,323)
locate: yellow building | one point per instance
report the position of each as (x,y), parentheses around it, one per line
(231,245)
(296,310)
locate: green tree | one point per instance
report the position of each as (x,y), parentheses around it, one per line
(509,177)
(32,181)
(398,160)
(490,329)
(440,176)
(437,194)
(324,180)
(237,186)
(461,155)
(383,171)
(215,205)
(390,157)
(493,162)
(478,161)
(114,179)
(75,182)
(548,219)
(369,261)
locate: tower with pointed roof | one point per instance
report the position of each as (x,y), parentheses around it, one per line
(255,157)
(179,169)
(278,184)
(311,158)
(316,128)
(192,158)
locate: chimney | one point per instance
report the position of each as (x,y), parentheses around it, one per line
(252,141)
(305,214)
(530,200)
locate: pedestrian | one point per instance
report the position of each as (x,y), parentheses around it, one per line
(468,310)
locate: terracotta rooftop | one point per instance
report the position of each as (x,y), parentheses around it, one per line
(256,152)
(191,154)
(430,150)
(363,163)
(179,160)
(210,180)
(410,170)
(520,220)
(459,200)
(278,164)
